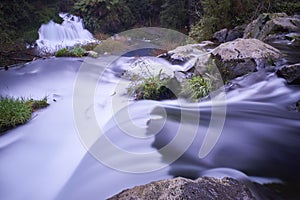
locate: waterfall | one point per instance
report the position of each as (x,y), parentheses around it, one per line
(54,36)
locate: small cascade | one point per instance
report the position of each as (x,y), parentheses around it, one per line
(54,36)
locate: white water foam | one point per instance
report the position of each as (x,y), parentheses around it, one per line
(54,36)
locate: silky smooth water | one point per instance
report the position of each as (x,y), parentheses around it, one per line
(54,36)
(47,157)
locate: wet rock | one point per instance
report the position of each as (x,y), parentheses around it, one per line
(182,188)
(92,54)
(271,27)
(227,35)
(188,53)
(239,57)
(291,73)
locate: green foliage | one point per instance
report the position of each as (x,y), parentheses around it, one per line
(148,84)
(18,111)
(196,87)
(216,15)
(153,88)
(174,14)
(77,52)
(37,104)
(74,52)
(105,15)
(219,14)
(20,19)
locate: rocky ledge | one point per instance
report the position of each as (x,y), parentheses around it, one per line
(182,188)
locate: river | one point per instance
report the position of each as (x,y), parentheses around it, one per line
(47,158)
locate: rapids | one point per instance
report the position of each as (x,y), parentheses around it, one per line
(47,158)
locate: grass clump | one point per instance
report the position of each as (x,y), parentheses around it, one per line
(18,111)
(150,81)
(154,87)
(196,87)
(75,52)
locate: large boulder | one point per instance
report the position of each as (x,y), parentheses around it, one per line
(270,27)
(182,188)
(239,57)
(291,73)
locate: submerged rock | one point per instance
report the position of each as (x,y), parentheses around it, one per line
(271,27)
(182,188)
(291,73)
(242,56)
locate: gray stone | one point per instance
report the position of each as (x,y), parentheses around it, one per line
(226,35)
(291,73)
(181,188)
(242,56)
(221,35)
(189,53)
(271,27)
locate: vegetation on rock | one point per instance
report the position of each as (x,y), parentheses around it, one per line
(74,52)
(151,86)
(18,111)
(219,14)
(196,87)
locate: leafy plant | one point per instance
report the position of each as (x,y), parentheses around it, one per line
(18,111)
(196,87)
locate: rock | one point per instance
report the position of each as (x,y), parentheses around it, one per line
(92,54)
(271,27)
(182,188)
(226,35)
(221,35)
(291,73)
(242,56)
(188,53)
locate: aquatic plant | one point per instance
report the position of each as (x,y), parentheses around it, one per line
(17,111)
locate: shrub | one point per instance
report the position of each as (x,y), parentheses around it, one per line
(18,111)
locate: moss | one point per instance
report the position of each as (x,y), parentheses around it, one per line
(74,52)
(18,111)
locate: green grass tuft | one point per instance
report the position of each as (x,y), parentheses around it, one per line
(196,88)
(18,111)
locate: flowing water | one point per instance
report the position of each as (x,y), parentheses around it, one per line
(253,132)
(54,36)
(47,159)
